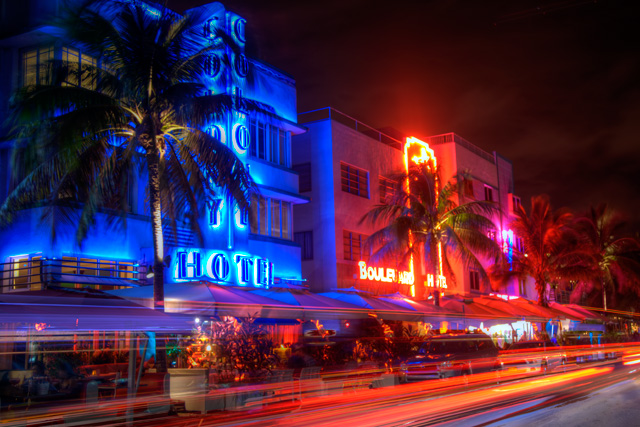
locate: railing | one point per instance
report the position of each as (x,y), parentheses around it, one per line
(453,137)
(35,273)
(335,115)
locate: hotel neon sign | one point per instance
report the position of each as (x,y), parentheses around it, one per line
(240,268)
(419,152)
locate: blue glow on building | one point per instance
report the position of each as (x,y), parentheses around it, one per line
(231,253)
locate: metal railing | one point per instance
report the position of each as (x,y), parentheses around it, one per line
(453,137)
(358,126)
(36,273)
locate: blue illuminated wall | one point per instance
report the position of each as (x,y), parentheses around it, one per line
(230,253)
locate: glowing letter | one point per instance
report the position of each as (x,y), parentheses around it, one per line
(189,265)
(218,267)
(214,212)
(261,274)
(244,264)
(363,269)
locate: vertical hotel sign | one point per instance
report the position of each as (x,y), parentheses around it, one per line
(417,152)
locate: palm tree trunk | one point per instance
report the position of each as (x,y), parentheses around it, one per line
(604,295)
(153,165)
(541,287)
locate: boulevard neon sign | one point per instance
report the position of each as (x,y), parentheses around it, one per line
(380,274)
(217,266)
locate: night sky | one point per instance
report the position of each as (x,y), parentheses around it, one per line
(552,85)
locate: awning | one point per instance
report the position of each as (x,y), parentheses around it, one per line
(207,299)
(377,306)
(82,310)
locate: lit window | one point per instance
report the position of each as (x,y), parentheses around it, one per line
(81,67)
(88,267)
(353,243)
(354,180)
(24,274)
(35,65)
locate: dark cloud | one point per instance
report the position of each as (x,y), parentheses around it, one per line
(552,85)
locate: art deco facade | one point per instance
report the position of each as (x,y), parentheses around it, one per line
(234,251)
(344,168)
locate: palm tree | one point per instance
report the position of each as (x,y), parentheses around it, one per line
(550,251)
(76,146)
(611,257)
(419,218)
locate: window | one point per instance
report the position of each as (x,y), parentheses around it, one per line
(81,67)
(304,176)
(271,217)
(488,193)
(34,65)
(474,280)
(268,142)
(467,187)
(305,240)
(354,180)
(515,203)
(353,243)
(98,267)
(25,273)
(387,188)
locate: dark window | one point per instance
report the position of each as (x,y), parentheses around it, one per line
(353,243)
(467,187)
(387,188)
(354,180)
(304,176)
(271,217)
(515,203)
(474,280)
(488,194)
(305,240)
(268,142)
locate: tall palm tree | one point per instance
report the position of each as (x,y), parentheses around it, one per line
(419,217)
(550,251)
(611,256)
(143,112)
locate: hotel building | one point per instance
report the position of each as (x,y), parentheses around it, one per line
(344,168)
(234,251)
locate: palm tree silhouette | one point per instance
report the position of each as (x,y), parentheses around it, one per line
(611,257)
(418,218)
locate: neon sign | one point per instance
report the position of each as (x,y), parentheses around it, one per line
(380,274)
(419,152)
(440,283)
(389,275)
(249,270)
